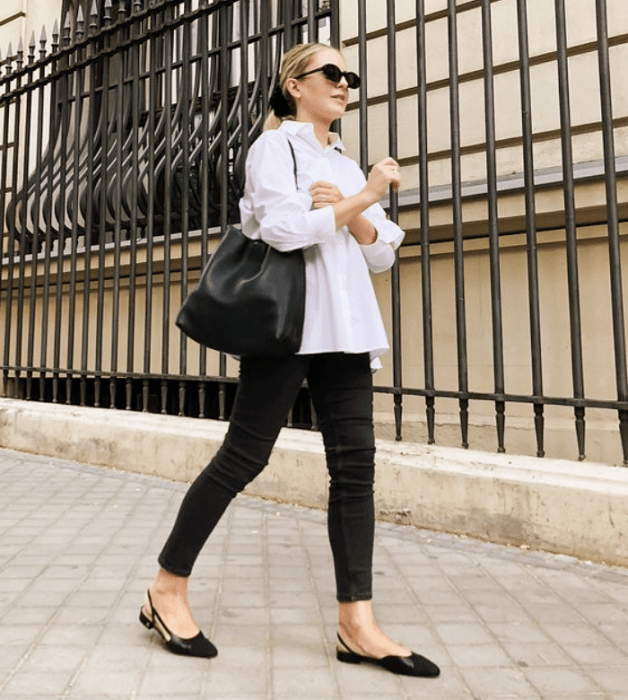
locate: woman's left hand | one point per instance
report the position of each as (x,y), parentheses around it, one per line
(324,193)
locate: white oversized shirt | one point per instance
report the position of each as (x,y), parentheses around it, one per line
(341,311)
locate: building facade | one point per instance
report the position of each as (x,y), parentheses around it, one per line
(122,142)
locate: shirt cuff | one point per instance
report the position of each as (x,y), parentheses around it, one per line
(379,255)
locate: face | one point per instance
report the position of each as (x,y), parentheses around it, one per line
(317,97)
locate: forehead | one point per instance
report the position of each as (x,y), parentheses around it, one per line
(320,58)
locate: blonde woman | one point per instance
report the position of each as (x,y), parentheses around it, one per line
(332,213)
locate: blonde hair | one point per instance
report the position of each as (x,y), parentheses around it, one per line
(294,62)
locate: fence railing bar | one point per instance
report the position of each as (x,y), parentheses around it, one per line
(424,215)
(149,177)
(135,56)
(570,222)
(36,226)
(73,206)
(395,280)
(493,222)
(186,102)
(363,96)
(21,200)
(89,222)
(531,230)
(456,181)
(167,209)
(608,134)
(60,182)
(204,44)
(223,173)
(11,234)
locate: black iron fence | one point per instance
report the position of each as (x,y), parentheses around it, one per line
(122,148)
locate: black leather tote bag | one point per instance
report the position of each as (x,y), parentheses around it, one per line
(250,299)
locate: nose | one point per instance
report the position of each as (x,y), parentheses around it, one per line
(343,82)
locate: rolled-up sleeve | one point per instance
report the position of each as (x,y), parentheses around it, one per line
(379,255)
(286,220)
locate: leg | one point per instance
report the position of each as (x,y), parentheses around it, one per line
(341,387)
(267,389)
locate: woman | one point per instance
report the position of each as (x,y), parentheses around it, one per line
(325,207)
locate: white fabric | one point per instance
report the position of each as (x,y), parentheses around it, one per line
(341,311)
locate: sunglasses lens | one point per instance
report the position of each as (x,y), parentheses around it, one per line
(353,80)
(332,72)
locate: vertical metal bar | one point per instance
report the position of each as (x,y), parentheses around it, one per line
(116,196)
(619,328)
(74,180)
(22,222)
(89,208)
(12,238)
(224,165)
(136,98)
(493,223)
(335,23)
(60,206)
(102,223)
(149,179)
(312,26)
(37,219)
(424,209)
(570,223)
(456,187)
(4,152)
(394,215)
(168,110)
(52,134)
(363,97)
(531,232)
(185,102)
(205,96)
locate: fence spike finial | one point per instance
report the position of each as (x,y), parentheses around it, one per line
(20,54)
(122,10)
(67,29)
(80,23)
(9,59)
(93,15)
(42,43)
(55,36)
(32,45)
(108,10)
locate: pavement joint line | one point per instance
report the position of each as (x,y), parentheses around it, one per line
(477,606)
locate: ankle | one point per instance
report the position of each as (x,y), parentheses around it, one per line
(167,584)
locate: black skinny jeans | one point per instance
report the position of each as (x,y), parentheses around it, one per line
(342,392)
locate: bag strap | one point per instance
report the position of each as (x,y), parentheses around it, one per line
(294,160)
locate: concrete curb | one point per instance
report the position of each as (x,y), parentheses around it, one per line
(579,509)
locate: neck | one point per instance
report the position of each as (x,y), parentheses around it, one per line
(321,127)
(322,134)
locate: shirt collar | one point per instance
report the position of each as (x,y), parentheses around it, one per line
(306,131)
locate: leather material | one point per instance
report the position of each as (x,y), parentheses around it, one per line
(413,665)
(198,645)
(250,299)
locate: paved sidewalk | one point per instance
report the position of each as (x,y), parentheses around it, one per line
(78,549)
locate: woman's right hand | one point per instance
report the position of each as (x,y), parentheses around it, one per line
(382,174)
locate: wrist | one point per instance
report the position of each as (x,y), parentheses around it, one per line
(368,198)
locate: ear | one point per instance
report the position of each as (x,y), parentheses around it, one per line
(293,86)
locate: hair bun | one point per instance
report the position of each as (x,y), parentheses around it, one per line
(279,103)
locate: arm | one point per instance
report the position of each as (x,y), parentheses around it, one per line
(272,203)
(366,220)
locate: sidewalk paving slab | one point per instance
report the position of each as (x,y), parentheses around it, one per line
(79,546)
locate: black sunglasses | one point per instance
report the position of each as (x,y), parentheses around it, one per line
(333,73)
